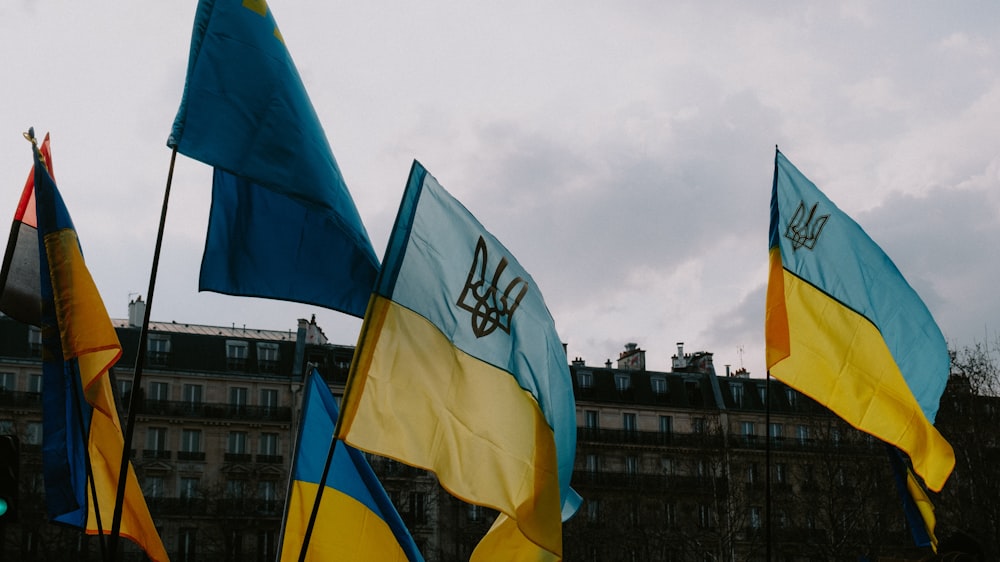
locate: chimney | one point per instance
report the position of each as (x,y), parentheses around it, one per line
(136,312)
(578,362)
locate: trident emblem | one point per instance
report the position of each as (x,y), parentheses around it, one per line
(804,229)
(490,310)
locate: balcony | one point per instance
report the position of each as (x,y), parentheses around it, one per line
(174,409)
(650,482)
(156,454)
(647,438)
(190,456)
(270,459)
(238,457)
(16,399)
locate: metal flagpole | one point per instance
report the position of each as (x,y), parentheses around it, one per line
(140,358)
(767,462)
(90,467)
(319,497)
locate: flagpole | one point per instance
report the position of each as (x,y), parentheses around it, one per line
(140,359)
(86,459)
(767,462)
(319,497)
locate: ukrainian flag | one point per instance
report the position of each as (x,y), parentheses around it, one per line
(846,329)
(355,521)
(459,370)
(80,425)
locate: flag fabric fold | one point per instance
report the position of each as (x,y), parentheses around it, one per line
(459,370)
(356,520)
(282,223)
(845,328)
(917,506)
(80,422)
(19,281)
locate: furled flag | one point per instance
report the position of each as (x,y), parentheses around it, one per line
(282,223)
(80,426)
(19,283)
(846,329)
(355,521)
(917,506)
(459,370)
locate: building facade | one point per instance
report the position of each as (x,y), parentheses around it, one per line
(683,465)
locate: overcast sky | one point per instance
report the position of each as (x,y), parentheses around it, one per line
(623,151)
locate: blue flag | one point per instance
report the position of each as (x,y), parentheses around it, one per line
(356,520)
(282,224)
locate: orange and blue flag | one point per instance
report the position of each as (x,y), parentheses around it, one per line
(80,424)
(356,520)
(282,223)
(459,370)
(845,328)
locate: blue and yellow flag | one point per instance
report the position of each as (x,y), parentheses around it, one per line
(282,224)
(356,520)
(917,506)
(846,329)
(79,421)
(459,370)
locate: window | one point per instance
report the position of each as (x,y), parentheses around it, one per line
(474,513)
(33,433)
(191,446)
(192,394)
(159,391)
(6,427)
(186,544)
(762,393)
(237,442)
(154,487)
(777,431)
(803,434)
(158,349)
(631,465)
(35,341)
(592,464)
(752,473)
(706,518)
(659,385)
(628,422)
(736,389)
(669,514)
(236,488)
(267,494)
(268,400)
(266,546)
(667,466)
(267,357)
(666,424)
(156,443)
(585,379)
(593,510)
(418,508)
(35,383)
(8,382)
(748,430)
(623,383)
(698,425)
(755,518)
(188,489)
(779,473)
(238,400)
(236,355)
(591,419)
(268,451)
(792,397)
(124,389)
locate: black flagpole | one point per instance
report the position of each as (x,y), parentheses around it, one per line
(90,467)
(140,358)
(767,455)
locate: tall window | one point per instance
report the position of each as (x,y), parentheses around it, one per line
(269,400)
(35,341)
(755,517)
(238,400)
(237,442)
(236,488)
(158,349)
(591,419)
(659,385)
(159,391)
(267,357)
(156,442)
(749,431)
(593,510)
(418,507)
(780,473)
(631,465)
(592,464)
(124,389)
(192,394)
(736,389)
(269,448)
(236,355)
(8,382)
(191,445)
(802,432)
(666,424)
(267,493)
(623,383)
(776,431)
(706,517)
(186,546)
(585,379)
(792,396)
(154,487)
(628,422)
(33,433)
(188,489)
(698,425)
(266,545)
(752,473)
